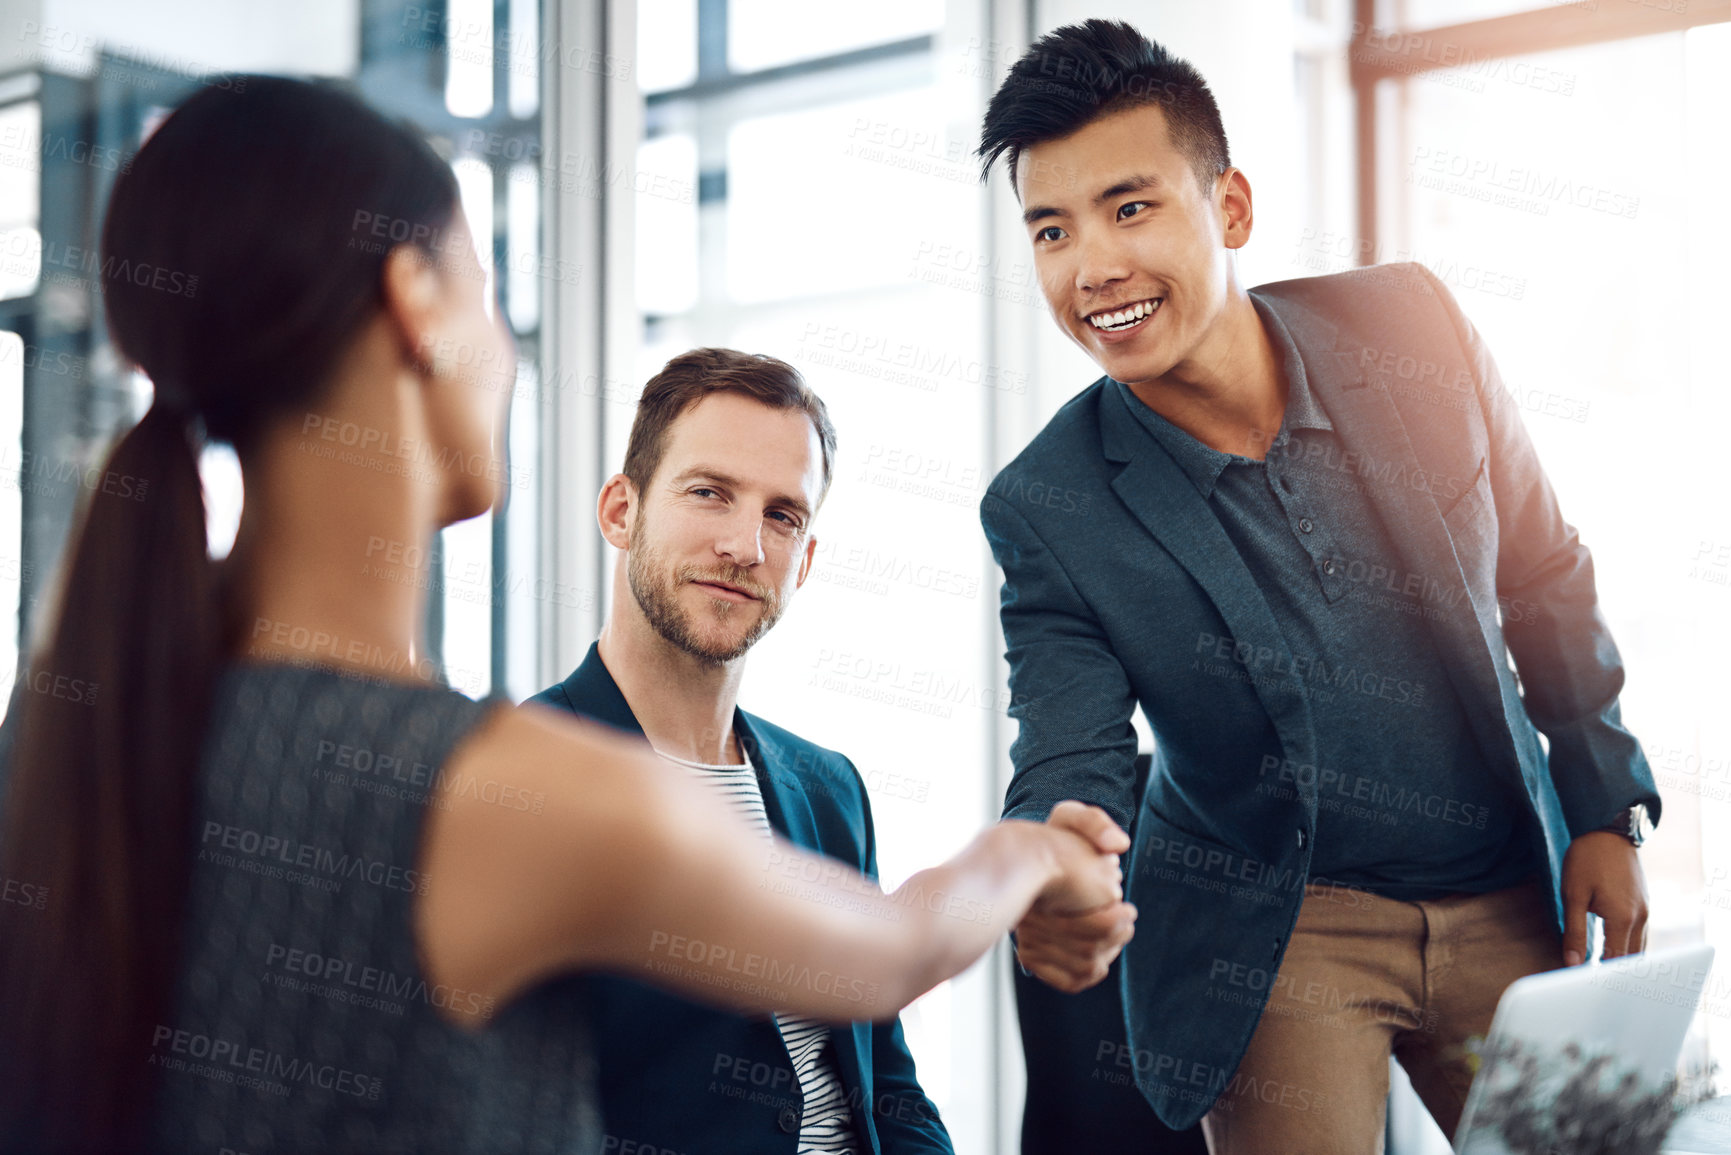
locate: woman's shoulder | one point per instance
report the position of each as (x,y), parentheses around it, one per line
(254,698)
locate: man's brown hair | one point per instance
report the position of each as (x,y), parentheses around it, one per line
(690,377)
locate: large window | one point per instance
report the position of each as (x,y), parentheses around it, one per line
(92,87)
(1599,214)
(20,268)
(1569,197)
(805,189)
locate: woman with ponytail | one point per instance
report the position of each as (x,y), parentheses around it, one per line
(290,892)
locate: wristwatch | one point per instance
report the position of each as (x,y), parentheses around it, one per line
(1631,824)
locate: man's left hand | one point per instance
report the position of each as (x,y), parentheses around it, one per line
(1602,876)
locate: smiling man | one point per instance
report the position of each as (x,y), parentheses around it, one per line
(729,457)
(1305,533)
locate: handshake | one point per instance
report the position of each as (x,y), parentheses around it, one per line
(1080,922)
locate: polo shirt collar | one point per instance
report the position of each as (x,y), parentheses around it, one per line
(1204,464)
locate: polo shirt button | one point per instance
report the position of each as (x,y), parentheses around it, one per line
(1328,567)
(1305,525)
(788,1120)
(1301,840)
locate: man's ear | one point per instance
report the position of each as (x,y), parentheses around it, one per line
(614,510)
(1235,207)
(805,562)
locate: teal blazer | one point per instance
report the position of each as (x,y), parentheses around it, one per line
(681,1076)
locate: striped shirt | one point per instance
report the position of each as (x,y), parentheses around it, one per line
(826,1126)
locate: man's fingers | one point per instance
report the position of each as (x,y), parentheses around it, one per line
(1616,938)
(1091,823)
(1071,964)
(1054,968)
(1624,931)
(1084,981)
(1065,978)
(1100,921)
(1104,936)
(1072,979)
(1574,931)
(1055,978)
(1091,923)
(1038,930)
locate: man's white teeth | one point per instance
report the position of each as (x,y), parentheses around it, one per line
(1125,317)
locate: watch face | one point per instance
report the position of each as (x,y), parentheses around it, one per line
(1637,824)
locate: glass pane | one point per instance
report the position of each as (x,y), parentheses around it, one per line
(219,471)
(469,58)
(523,60)
(12,356)
(475,187)
(765,33)
(664,340)
(21,162)
(817,198)
(666,44)
(523,239)
(666,196)
(20,261)
(21,148)
(467,646)
(524,592)
(468,589)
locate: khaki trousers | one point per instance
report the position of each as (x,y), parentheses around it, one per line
(1365,977)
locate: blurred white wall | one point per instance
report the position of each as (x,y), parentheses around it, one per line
(15,16)
(318,37)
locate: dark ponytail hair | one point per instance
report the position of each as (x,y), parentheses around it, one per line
(241,254)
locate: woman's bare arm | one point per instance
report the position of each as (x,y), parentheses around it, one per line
(622,863)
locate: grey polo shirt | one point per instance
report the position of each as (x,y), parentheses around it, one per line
(1406,807)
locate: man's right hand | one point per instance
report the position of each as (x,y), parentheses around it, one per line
(1072,950)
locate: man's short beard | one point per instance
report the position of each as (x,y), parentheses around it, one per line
(656,593)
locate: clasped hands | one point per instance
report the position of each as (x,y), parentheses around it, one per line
(1077,927)
(1070,936)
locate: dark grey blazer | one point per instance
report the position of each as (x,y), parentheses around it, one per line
(1121,589)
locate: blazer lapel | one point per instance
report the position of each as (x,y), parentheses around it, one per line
(1365,417)
(790,814)
(784,800)
(592,692)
